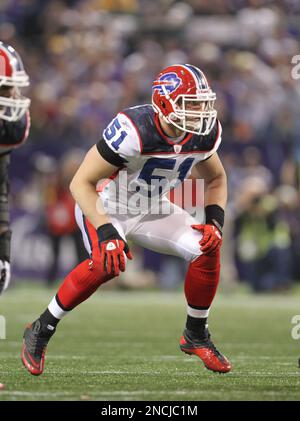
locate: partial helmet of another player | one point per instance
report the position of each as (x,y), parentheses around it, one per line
(182,96)
(12,79)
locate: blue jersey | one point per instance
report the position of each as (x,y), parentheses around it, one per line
(135,142)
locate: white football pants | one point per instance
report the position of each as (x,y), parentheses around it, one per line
(167,234)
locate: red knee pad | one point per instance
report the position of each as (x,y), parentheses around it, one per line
(82,282)
(202,280)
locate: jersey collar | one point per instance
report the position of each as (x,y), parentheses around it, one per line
(168,139)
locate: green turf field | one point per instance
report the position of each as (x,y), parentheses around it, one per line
(124,346)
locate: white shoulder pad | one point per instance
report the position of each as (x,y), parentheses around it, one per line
(122,136)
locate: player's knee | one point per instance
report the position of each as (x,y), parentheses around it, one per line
(97,275)
(189,245)
(207,267)
(208,260)
(88,276)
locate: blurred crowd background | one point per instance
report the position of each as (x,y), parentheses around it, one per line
(89,59)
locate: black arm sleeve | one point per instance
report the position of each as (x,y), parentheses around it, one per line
(109,155)
(5,233)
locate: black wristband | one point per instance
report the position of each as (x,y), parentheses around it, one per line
(5,245)
(215,215)
(107,232)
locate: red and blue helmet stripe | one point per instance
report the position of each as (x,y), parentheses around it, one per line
(198,75)
(12,61)
(17,61)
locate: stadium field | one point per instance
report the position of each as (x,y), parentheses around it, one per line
(124,346)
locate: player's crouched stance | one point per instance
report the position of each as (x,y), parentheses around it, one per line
(178,133)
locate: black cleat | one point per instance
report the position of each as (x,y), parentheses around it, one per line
(35,341)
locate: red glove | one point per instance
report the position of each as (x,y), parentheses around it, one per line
(211,240)
(112,248)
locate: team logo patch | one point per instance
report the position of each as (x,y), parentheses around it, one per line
(169,80)
(110,246)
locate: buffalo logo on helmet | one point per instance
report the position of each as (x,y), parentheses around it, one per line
(170,81)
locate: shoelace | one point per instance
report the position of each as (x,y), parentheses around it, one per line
(212,347)
(37,345)
(207,342)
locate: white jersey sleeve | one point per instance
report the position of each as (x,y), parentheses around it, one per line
(120,142)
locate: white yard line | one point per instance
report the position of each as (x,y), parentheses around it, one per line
(129,393)
(95,393)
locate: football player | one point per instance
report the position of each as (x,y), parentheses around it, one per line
(14,129)
(159,142)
